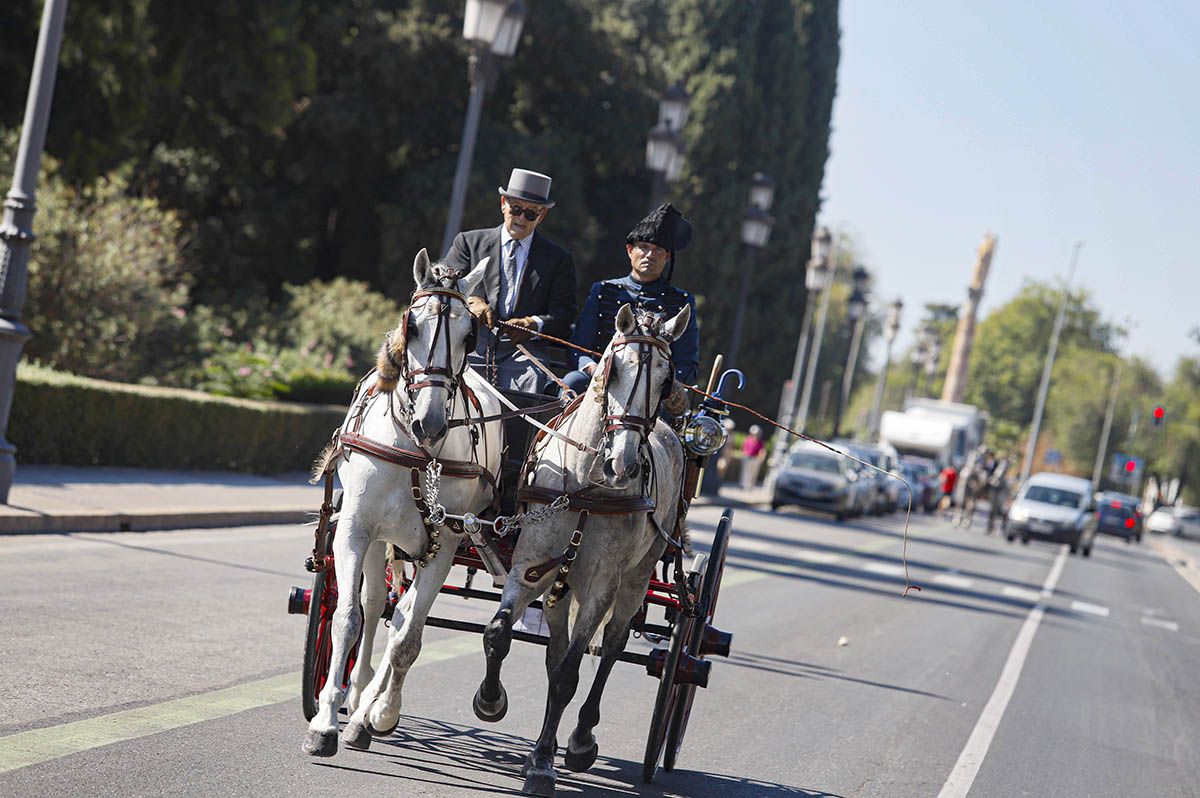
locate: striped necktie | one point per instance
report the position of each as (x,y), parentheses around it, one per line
(509,289)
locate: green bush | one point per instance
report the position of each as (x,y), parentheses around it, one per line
(62,419)
(338,323)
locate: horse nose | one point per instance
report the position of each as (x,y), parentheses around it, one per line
(633,469)
(424,437)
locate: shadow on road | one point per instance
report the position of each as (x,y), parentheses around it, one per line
(107,539)
(429,751)
(805,670)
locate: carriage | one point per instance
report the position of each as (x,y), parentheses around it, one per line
(676,613)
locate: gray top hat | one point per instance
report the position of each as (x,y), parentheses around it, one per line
(528,186)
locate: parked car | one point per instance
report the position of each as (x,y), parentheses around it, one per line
(1054,507)
(1120,515)
(818,479)
(1178,521)
(885,496)
(922,473)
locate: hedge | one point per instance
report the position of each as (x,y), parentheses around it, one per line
(62,419)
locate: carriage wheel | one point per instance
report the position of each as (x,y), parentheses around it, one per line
(673,705)
(709,592)
(318,638)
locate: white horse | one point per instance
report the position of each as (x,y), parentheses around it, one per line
(611,568)
(417,391)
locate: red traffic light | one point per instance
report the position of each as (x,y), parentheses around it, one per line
(1159,413)
(1130,466)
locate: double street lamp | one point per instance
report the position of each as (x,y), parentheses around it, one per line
(664,142)
(756,230)
(856,312)
(817,276)
(492,28)
(890,328)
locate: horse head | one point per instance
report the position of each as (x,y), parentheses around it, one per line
(438,332)
(637,374)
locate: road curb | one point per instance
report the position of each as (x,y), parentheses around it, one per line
(147,521)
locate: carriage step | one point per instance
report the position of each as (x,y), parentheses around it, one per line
(298,598)
(715,643)
(691,670)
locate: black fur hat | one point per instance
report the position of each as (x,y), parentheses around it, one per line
(664,227)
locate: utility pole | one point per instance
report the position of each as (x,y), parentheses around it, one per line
(16,230)
(1108,419)
(1044,388)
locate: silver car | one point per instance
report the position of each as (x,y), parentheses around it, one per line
(817,479)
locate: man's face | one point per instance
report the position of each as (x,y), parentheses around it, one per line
(516,217)
(646,260)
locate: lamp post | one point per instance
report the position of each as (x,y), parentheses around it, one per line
(933,356)
(492,28)
(756,229)
(816,277)
(856,311)
(16,230)
(664,142)
(890,328)
(810,375)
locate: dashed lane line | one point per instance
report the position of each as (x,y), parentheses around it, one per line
(958,784)
(1089,609)
(1170,626)
(1020,593)
(953,580)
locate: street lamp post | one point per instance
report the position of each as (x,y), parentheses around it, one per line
(856,313)
(933,356)
(16,230)
(816,276)
(810,374)
(890,328)
(756,229)
(664,142)
(493,28)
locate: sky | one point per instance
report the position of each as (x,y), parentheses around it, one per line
(1045,123)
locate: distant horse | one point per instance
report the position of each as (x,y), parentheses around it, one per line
(401,421)
(626,486)
(974,478)
(997,493)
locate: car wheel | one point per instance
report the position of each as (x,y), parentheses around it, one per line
(1087,552)
(1139,538)
(775,506)
(1025,540)
(1074,548)
(840,517)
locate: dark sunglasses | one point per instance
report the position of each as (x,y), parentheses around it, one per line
(529,213)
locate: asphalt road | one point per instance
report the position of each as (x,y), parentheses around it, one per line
(164,664)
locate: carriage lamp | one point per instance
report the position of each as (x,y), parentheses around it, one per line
(704,435)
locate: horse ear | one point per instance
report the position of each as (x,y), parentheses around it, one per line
(468,284)
(675,327)
(421,268)
(625,321)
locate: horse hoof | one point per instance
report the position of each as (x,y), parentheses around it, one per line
(490,711)
(356,736)
(320,743)
(539,782)
(379,732)
(579,762)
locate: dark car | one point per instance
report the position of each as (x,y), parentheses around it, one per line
(922,474)
(1119,514)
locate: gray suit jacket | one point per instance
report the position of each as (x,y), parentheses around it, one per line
(547,285)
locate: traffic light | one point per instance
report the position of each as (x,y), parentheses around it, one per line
(1159,415)
(1130,465)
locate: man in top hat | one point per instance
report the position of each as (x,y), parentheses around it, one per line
(651,248)
(529,281)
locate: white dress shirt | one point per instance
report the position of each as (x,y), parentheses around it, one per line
(508,302)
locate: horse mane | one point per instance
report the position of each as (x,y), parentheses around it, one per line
(391,352)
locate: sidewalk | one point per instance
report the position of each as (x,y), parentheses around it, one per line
(72,499)
(47,499)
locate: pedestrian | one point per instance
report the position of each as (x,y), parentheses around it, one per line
(529,281)
(753,452)
(948,478)
(650,248)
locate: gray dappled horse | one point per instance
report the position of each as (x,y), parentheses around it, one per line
(608,575)
(409,408)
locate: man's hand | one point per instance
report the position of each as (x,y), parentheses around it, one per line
(528,323)
(480,309)
(677,400)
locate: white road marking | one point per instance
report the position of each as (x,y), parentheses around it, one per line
(1170,626)
(1090,609)
(958,784)
(884,568)
(1020,593)
(952,580)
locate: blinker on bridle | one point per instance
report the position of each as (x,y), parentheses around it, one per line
(627,421)
(436,376)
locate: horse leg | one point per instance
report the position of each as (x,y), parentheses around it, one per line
(582,748)
(564,680)
(378,712)
(491,701)
(349,549)
(374,596)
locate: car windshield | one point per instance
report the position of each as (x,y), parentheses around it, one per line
(815,461)
(1057,496)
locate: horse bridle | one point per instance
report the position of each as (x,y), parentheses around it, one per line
(433,376)
(643,425)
